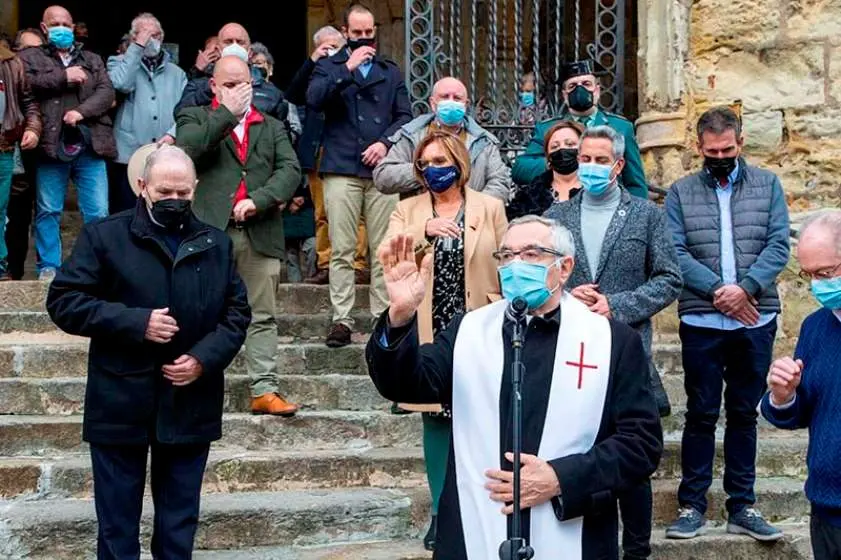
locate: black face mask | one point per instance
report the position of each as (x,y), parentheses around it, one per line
(564,161)
(171,213)
(720,168)
(354,44)
(580,99)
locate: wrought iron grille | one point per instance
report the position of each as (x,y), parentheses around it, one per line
(491,44)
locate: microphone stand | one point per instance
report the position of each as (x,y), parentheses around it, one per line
(515,548)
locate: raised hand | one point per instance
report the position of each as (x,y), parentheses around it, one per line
(783,379)
(359,57)
(405,282)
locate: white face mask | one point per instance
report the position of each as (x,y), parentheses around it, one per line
(152,48)
(331,52)
(237,50)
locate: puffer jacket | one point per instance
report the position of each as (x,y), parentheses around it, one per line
(19,112)
(488,172)
(152,91)
(760,235)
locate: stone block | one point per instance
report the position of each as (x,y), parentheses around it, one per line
(821,124)
(809,20)
(734,23)
(767,80)
(763,131)
(835,73)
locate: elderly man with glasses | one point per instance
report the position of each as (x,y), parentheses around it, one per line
(581,92)
(805,387)
(584,372)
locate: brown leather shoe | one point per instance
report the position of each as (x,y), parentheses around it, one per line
(320,278)
(338,336)
(362,277)
(274,404)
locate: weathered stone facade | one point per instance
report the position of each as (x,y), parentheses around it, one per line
(779,62)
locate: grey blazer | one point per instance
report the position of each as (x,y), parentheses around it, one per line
(638,270)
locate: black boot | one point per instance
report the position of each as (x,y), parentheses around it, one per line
(431,534)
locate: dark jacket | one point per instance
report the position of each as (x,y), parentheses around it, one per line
(21,113)
(267,98)
(358,111)
(93,99)
(760,234)
(301,224)
(534,198)
(309,144)
(271,172)
(121,270)
(638,270)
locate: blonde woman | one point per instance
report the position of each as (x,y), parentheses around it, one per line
(461,227)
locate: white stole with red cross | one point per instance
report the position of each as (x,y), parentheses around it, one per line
(573,418)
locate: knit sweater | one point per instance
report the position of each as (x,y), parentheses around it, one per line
(817,406)
(596,213)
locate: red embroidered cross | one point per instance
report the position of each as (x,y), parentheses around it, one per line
(581,366)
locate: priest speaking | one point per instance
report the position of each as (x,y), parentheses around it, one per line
(590,423)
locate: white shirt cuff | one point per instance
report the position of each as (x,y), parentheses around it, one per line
(776,406)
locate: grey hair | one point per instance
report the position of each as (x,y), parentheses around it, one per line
(829,220)
(145,16)
(607,133)
(260,48)
(324,32)
(167,154)
(561,237)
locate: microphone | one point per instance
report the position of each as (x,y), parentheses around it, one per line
(516,310)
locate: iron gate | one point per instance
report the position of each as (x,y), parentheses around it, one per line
(491,44)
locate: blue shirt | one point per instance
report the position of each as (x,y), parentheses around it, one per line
(717,320)
(364,68)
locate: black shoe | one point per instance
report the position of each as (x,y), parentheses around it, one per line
(431,534)
(338,336)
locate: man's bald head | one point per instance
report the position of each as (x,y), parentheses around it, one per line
(448,88)
(169,173)
(56,16)
(234,33)
(229,72)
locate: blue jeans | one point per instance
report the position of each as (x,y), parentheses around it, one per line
(711,357)
(7,168)
(91,180)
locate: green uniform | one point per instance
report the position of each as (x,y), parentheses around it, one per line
(532,162)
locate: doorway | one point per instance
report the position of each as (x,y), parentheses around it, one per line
(187,23)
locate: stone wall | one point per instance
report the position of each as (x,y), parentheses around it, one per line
(778,61)
(388,15)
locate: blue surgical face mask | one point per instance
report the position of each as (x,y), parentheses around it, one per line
(595,177)
(828,292)
(450,113)
(439,179)
(237,50)
(527,98)
(60,37)
(526,280)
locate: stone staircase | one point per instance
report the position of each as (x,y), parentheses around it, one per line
(344,479)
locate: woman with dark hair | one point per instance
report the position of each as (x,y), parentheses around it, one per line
(460,227)
(559,182)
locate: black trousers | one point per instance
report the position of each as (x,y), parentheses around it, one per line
(119,478)
(736,362)
(637,508)
(20,212)
(826,539)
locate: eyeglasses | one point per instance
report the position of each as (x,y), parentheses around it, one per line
(589,85)
(824,274)
(532,254)
(422,165)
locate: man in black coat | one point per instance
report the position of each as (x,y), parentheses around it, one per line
(157,292)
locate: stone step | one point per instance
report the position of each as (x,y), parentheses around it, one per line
(295,327)
(65,396)
(66,529)
(312,430)
(716,545)
(56,354)
(230,471)
(236,470)
(296,299)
